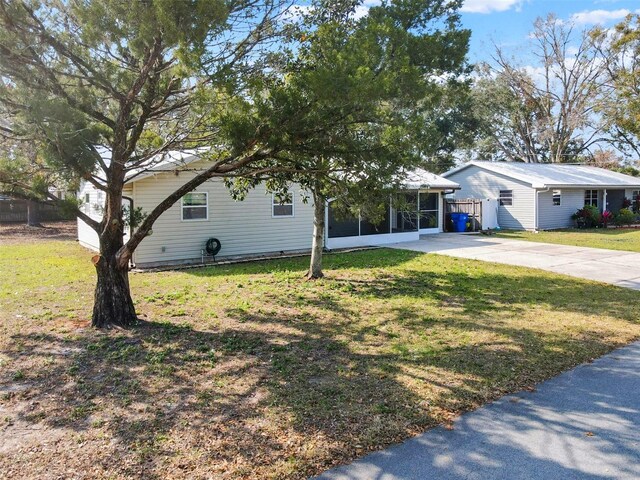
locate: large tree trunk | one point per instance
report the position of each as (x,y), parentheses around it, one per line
(32,214)
(113,306)
(315,268)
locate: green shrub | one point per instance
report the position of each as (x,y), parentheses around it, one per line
(625,217)
(587,217)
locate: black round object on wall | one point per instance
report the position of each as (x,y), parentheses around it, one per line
(213,246)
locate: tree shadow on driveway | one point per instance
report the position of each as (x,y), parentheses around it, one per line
(580,425)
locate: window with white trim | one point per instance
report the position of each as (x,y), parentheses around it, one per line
(557,197)
(591,197)
(282,205)
(87,198)
(506,197)
(195,206)
(635,196)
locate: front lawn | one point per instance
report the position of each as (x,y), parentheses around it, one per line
(248,371)
(611,238)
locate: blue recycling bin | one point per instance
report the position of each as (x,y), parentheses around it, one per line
(459,221)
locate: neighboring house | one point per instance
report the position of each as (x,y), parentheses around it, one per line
(543,196)
(258,225)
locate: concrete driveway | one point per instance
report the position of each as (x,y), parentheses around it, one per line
(583,424)
(609,266)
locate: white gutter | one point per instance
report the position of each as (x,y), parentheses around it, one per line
(586,186)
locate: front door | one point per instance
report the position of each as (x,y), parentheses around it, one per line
(615,199)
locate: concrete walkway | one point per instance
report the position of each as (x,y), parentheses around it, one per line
(583,424)
(609,266)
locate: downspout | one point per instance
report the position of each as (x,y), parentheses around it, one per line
(390,214)
(536,209)
(326,224)
(132,264)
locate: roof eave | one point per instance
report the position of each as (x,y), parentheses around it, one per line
(151,172)
(458,169)
(431,187)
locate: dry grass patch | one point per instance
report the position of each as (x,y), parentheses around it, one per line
(248,371)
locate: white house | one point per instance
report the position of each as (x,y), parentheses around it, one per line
(258,225)
(543,196)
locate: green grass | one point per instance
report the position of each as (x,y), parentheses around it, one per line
(248,371)
(612,239)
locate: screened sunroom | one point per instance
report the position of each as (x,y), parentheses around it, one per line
(416,210)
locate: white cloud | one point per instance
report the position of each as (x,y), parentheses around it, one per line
(572,50)
(488,6)
(363,10)
(598,17)
(537,73)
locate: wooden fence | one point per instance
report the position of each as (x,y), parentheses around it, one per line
(471,206)
(16,211)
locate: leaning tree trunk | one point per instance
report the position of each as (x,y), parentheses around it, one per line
(113,306)
(315,268)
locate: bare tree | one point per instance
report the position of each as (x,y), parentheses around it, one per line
(619,51)
(545,112)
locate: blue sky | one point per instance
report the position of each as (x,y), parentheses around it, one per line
(508,22)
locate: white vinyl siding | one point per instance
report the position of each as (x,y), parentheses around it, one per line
(243,227)
(87,237)
(552,216)
(476,182)
(93,201)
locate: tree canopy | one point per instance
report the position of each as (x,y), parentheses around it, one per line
(620,52)
(544,112)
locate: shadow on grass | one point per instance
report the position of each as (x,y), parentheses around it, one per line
(247,400)
(290,392)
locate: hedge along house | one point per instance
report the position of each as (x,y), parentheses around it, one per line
(543,196)
(257,226)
